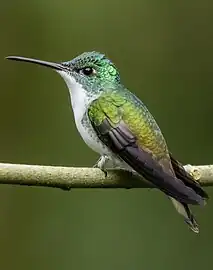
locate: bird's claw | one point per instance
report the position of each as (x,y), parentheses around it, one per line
(100,164)
(105,172)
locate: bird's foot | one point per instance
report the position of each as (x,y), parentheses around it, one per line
(100,164)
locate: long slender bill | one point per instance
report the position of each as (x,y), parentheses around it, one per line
(38,62)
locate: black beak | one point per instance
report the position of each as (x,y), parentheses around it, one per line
(52,65)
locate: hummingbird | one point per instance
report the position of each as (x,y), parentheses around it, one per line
(116,124)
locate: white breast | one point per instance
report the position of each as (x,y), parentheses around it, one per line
(79,99)
(80,102)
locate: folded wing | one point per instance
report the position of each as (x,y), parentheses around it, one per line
(114,132)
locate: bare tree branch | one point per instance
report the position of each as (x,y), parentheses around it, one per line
(70,177)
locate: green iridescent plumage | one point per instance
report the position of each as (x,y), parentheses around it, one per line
(124,124)
(121,105)
(105,71)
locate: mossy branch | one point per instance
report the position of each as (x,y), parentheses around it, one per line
(70,177)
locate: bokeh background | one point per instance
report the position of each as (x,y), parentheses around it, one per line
(164,51)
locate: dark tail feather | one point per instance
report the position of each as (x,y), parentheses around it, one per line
(187,179)
(184,210)
(190,220)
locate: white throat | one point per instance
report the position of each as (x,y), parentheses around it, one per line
(80,101)
(78,96)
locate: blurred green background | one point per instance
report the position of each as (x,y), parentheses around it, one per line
(163,50)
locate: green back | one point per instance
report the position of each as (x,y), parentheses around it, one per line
(121,105)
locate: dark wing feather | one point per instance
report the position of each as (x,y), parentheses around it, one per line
(123,143)
(188,180)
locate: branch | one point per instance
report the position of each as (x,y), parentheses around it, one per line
(69,177)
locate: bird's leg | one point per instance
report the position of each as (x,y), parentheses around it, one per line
(101,164)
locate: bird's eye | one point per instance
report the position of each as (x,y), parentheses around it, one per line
(88,71)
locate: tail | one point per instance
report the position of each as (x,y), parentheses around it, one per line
(189,181)
(184,210)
